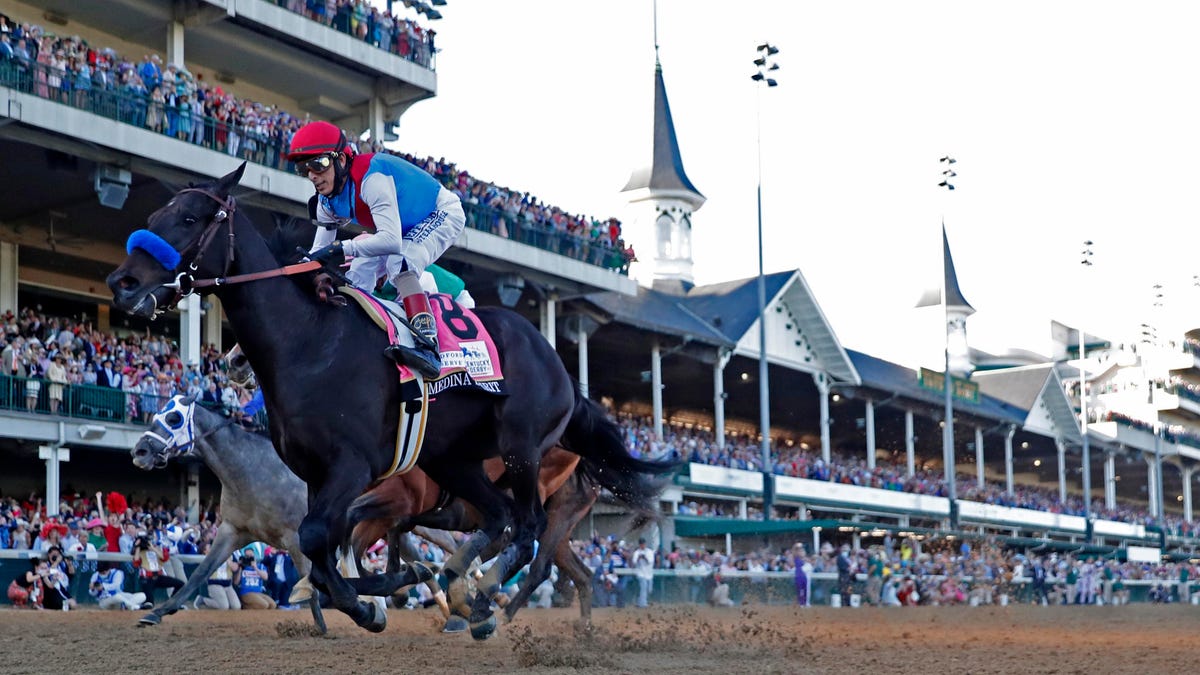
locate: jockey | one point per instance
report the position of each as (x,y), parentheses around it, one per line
(410,220)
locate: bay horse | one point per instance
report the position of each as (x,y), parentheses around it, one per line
(569,488)
(333,401)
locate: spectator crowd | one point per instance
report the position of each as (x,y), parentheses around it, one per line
(169,99)
(43,357)
(741,451)
(151,535)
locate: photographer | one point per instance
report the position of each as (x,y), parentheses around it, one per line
(56,580)
(148,560)
(107,586)
(26,589)
(251,583)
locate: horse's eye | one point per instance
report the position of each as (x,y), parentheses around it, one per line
(190,220)
(174,419)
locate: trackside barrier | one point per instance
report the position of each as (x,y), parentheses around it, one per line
(670,586)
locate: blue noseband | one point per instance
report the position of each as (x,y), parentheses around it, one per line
(156,246)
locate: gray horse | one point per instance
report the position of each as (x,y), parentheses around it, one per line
(261,500)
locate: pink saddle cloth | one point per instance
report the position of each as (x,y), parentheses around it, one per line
(469,355)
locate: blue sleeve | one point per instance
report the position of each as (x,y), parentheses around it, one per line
(255,404)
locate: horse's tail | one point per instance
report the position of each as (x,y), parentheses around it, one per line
(606,462)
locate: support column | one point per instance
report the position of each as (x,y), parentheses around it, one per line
(1151,485)
(1008,459)
(823,391)
(376,118)
(548,313)
(1110,480)
(193,493)
(870,424)
(210,324)
(1186,474)
(53,455)
(1062,470)
(979,457)
(582,338)
(910,444)
(719,396)
(656,387)
(174,44)
(189,330)
(8,276)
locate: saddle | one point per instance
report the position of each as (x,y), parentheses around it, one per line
(469,359)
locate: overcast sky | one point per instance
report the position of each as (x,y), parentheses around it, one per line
(1069,121)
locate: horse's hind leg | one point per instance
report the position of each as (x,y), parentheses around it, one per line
(564,509)
(496,517)
(530,522)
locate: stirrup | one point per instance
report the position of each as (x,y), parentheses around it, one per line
(424,361)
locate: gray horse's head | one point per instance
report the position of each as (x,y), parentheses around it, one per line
(172,433)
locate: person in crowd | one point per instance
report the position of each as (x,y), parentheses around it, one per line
(221,593)
(282,576)
(845,572)
(57,375)
(26,589)
(643,565)
(148,560)
(410,217)
(56,580)
(251,583)
(803,575)
(107,586)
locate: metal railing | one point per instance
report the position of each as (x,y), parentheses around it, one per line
(36,396)
(136,108)
(544,236)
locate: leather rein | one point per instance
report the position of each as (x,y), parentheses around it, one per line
(185,284)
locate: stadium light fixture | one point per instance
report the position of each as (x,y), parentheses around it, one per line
(763,64)
(1085,444)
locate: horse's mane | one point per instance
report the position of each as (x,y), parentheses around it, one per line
(288,235)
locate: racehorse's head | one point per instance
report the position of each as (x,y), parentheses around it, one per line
(181,241)
(172,432)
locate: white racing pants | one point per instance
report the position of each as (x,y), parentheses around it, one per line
(423,244)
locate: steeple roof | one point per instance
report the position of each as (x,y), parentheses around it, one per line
(666,168)
(949,281)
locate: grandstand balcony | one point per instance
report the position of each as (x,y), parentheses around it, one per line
(283,58)
(64,140)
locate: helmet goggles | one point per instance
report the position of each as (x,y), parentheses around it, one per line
(319,164)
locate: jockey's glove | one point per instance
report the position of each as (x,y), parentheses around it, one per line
(332,254)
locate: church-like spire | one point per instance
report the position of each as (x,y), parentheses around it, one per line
(954,300)
(665,172)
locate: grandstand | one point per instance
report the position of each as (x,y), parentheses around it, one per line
(856,439)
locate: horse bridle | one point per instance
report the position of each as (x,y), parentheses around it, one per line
(169,439)
(185,283)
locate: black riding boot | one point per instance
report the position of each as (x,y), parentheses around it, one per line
(426,361)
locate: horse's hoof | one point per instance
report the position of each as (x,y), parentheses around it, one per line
(455,624)
(374,620)
(422,572)
(301,592)
(482,630)
(150,619)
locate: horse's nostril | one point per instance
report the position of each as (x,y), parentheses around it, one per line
(127,283)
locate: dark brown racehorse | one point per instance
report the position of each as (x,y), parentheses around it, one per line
(333,400)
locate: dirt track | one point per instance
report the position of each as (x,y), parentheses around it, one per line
(748,640)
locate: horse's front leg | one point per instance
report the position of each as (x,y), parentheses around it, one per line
(323,530)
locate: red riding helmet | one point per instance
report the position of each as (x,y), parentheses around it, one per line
(317,138)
